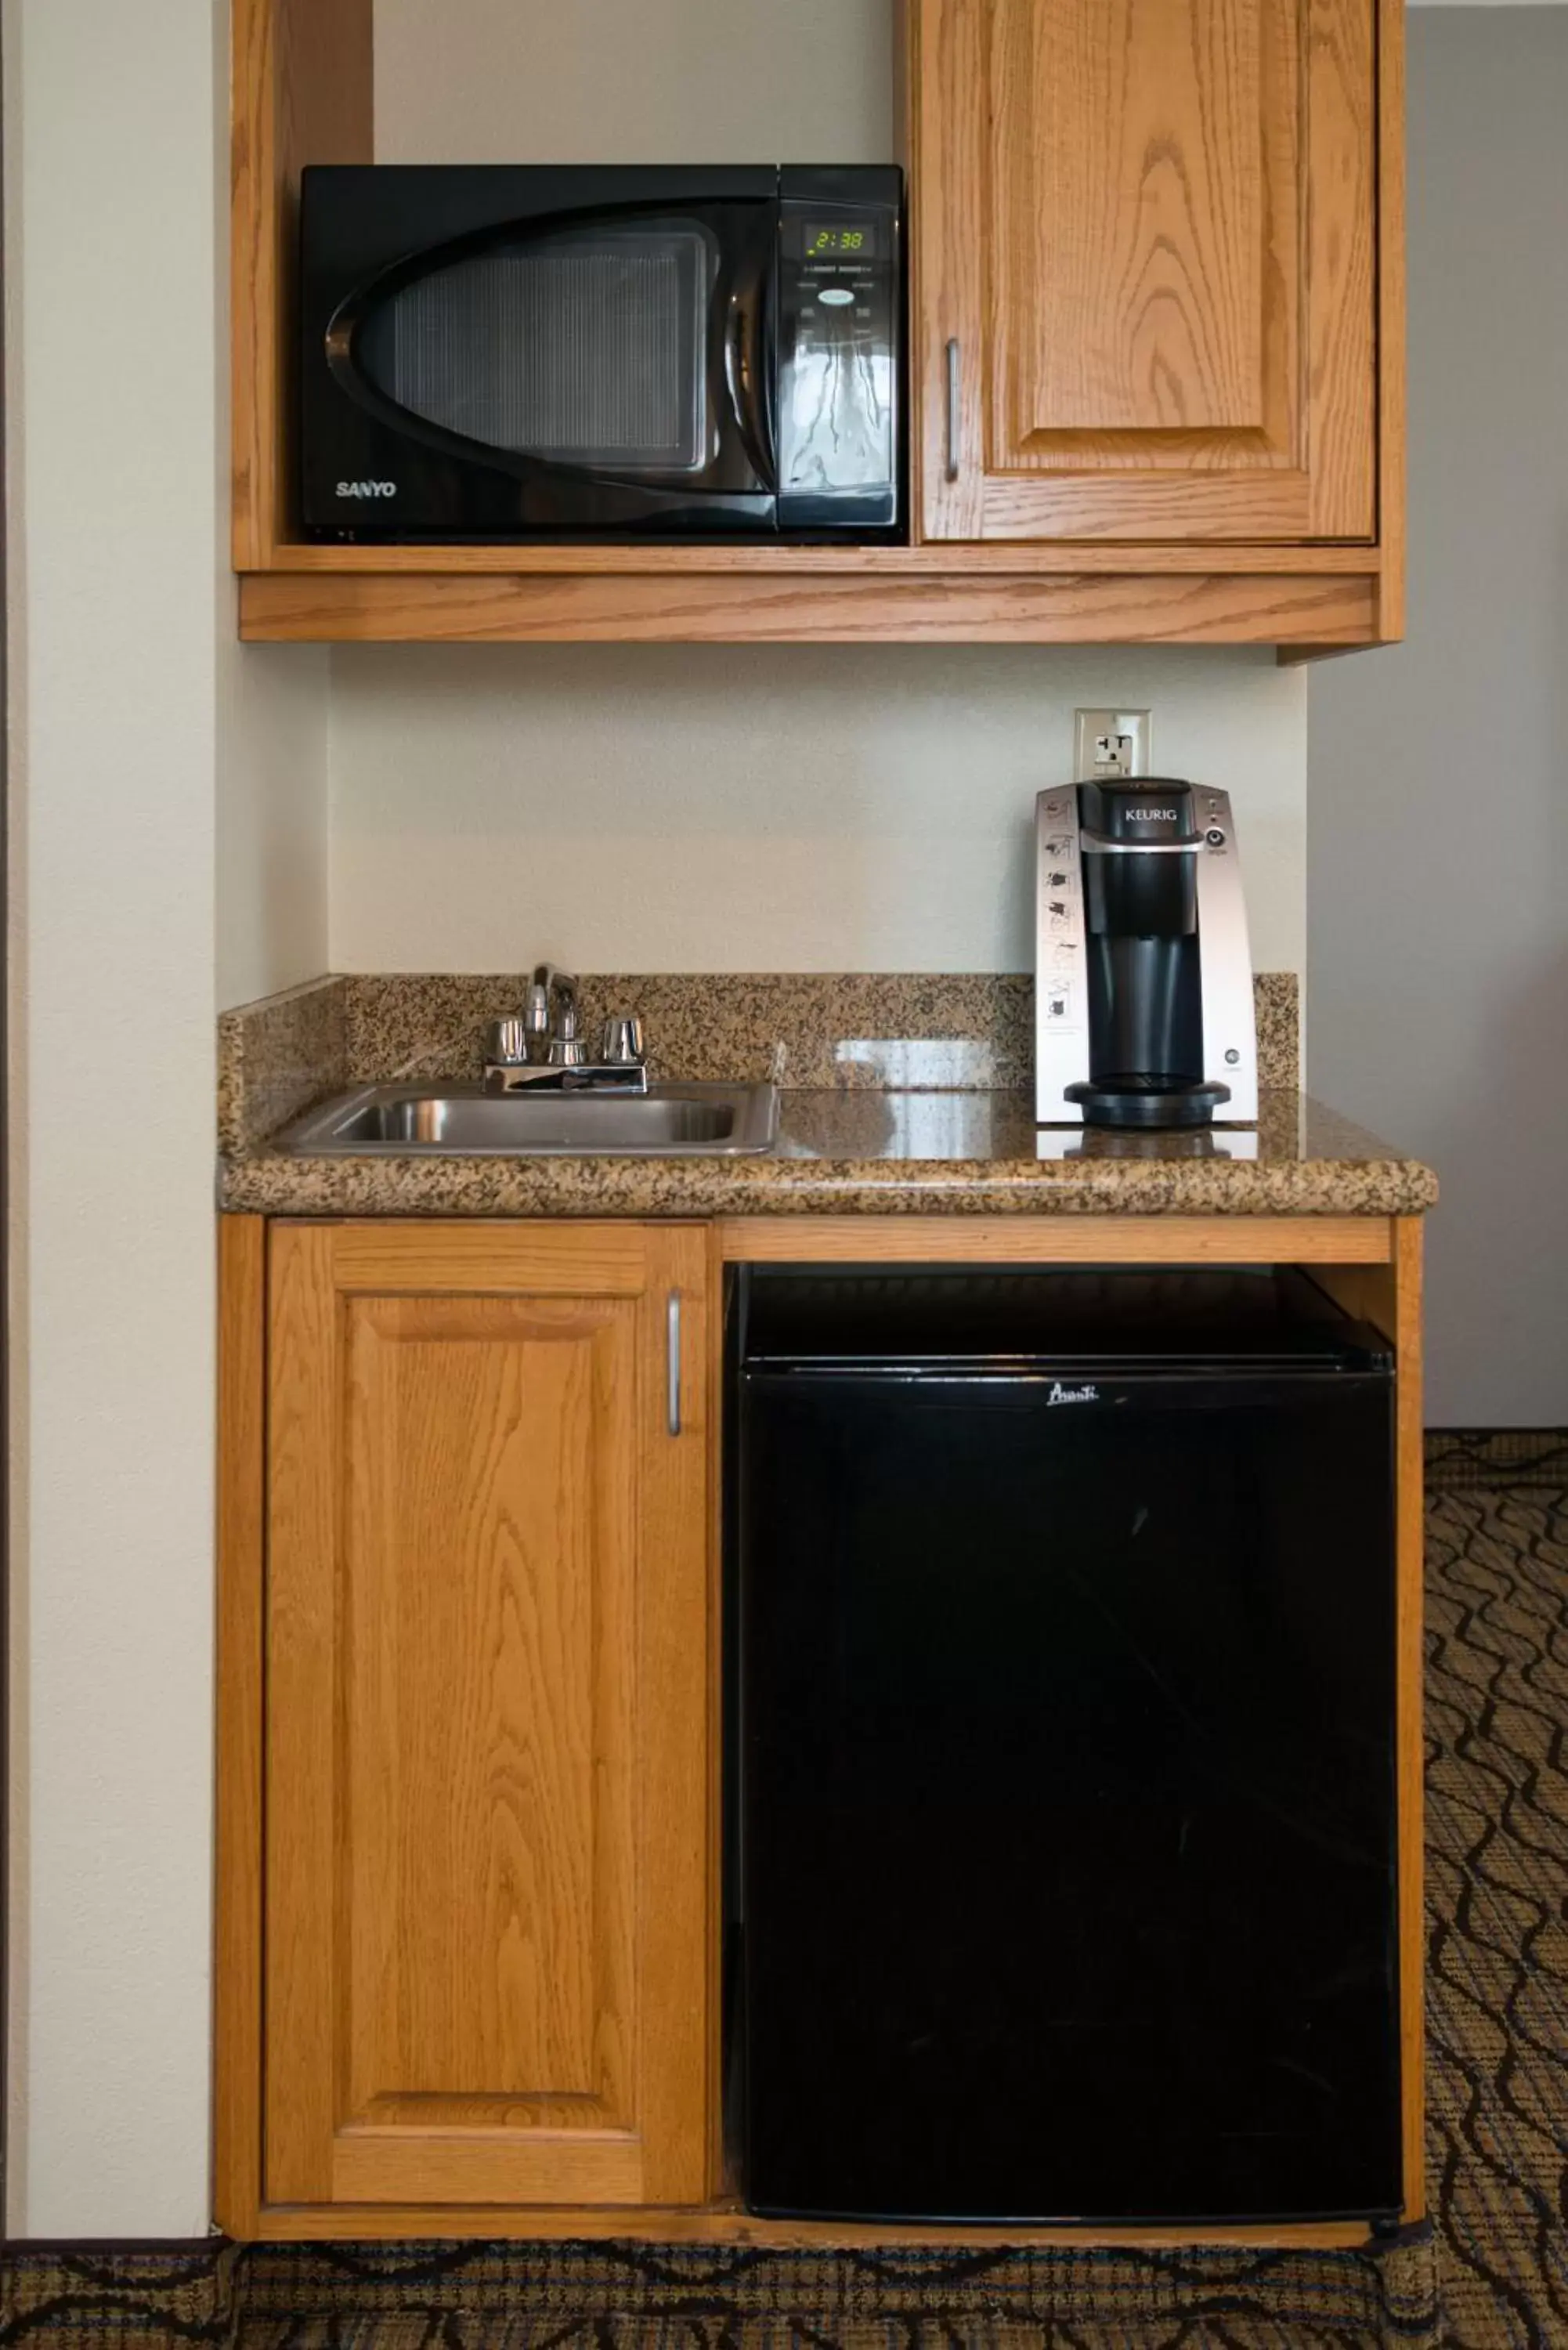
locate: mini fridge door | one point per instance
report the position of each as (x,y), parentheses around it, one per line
(1066,1787)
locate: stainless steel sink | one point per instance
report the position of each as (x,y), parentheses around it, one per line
(668,1121)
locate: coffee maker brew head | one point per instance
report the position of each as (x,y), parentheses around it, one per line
(1140,878)
(1143,988)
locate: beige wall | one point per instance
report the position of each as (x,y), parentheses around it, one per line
(1439,1001)
(115,505)
(715,808)
(271,812)
(168,838)
(637,81)
(777,808)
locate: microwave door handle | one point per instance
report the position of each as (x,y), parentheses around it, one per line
(747,361)
(768,368)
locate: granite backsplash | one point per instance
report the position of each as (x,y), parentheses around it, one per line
(922,1031)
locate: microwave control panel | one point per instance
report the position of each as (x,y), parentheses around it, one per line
(839,333)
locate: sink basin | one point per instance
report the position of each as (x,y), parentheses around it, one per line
(668,1121)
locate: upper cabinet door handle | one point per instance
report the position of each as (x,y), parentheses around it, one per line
(954,409)
(674,1362)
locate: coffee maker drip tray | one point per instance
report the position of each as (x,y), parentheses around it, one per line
(1138,1100)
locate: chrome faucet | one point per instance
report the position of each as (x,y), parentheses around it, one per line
(542,1049)
(550,1017)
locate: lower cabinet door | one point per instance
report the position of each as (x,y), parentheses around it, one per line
(488,1674)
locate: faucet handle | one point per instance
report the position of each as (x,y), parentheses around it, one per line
(506,1044)
(621,1043)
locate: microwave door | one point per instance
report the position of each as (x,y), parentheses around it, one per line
(602,372)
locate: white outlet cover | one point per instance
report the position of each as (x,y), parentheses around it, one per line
(1091,727)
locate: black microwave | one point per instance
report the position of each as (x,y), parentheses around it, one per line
(513,352)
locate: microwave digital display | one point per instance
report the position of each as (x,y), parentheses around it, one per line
(859,243)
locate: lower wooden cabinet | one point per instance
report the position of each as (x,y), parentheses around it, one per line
(468,1893)
(487,1657)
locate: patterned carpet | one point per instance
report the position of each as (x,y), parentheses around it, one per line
(1495,2278)
(1496,1910)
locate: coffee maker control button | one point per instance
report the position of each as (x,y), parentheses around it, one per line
(1214,837)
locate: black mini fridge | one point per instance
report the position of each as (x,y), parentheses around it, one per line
(1061,1774)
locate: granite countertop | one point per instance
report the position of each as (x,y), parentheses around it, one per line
(934,1153)
(861,1143)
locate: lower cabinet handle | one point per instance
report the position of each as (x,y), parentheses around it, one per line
(954,410)
(674,1362)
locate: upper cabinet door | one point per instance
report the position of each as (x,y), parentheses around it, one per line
(1144,236)
(487,1702)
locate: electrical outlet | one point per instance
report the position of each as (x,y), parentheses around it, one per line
(1111,743)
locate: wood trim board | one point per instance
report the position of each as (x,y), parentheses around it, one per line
(714,1857)
(1392,385)
(1056,1240)
(969,607)
(1389,1296)
(726,2223)
(301,91)
(240,1724)
(1403,1290)
(1044,559)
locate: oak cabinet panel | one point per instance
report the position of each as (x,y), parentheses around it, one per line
(487,1678)
(1146,242)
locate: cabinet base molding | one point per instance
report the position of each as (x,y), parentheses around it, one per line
(727,2223)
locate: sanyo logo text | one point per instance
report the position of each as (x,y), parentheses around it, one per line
(366,489)
(1059,1394)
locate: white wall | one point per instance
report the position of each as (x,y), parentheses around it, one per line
(758,808)
(1439,989)
(714,807)
(142,741)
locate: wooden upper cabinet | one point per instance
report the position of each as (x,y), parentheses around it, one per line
(1145,249)
(488,1677)
(1163,242)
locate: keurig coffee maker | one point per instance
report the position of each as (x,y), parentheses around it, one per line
(1142,970)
